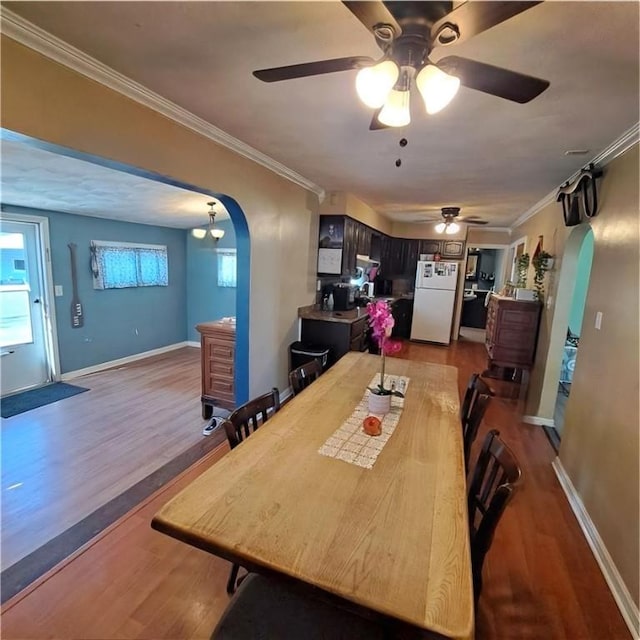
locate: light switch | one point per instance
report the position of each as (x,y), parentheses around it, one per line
(58,290)
(598,320)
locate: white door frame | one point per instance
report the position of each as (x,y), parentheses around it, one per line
(509,275)
(47,297)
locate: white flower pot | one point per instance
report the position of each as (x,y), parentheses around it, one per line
(379,405)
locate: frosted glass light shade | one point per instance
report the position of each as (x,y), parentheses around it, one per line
(440,227)
(453,227)
(373,84)
(436,87)
(199,233)
(395,112)
(217,233)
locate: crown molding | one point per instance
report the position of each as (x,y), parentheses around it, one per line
(619,146)
(45,43)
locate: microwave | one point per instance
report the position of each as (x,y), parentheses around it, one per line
(344,297)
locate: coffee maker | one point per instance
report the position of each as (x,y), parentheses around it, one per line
(344,296)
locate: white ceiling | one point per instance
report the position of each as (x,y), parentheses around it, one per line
(492,157)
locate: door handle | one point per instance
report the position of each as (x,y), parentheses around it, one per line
(6,353)
(36,301)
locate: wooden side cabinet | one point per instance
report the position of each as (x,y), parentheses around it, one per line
(512,332)
(218,347)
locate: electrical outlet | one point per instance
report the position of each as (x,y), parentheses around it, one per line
(58,290)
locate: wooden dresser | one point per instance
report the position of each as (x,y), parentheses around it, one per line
(218,342)
(512,332)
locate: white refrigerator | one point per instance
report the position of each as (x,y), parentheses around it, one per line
(434,300)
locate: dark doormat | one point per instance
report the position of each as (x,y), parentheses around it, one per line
(21,574)
(27,400)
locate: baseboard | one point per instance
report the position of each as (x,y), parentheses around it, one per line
(70,375)
(193,343)
(537,420)
(621,595)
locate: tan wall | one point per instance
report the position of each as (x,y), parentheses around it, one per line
(341,203)
(477,235)
(600,443)
(45,100)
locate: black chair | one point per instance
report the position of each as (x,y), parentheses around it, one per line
(248,417)
(474,406)
(475,386)
(301,377)
(272,608)
(240,425)
(495,476)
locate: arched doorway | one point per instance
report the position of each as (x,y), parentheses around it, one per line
(573,286)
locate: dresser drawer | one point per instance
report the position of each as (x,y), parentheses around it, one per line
(221,367)
(219,350)
(219,385)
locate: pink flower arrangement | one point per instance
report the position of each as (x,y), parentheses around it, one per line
(381,322)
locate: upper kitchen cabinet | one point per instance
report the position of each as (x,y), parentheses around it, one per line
(430,247)
(399,257)
(341,240)
(453,249)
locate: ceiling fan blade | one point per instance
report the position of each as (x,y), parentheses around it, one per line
(312,68)
(496,81)
(472,18)
(471,221)
(372,14)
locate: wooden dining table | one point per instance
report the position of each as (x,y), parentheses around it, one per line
(393,538)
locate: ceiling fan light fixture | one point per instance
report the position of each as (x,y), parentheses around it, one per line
(436,87)
(395,112)
(440,227)
(373,84)
(452,227)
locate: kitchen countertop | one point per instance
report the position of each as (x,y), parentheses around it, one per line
(312,312)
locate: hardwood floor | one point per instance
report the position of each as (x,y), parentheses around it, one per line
(540,578)
(62,461)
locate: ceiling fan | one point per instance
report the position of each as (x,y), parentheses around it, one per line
(407,32)
(450,219)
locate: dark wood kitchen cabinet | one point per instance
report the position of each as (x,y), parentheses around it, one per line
(453,249)
(402,310)
(339,337)
(217,353)
(430,246)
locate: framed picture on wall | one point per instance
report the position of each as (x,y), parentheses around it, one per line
(331,234)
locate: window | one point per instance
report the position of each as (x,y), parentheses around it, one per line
(117,265)
(226,267)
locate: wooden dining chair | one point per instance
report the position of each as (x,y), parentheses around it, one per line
(475,386)
(249,416)
(240,425)
(301,377)
(471,425)
(269,607)
(495,477)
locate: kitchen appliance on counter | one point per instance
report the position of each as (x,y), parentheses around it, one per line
(344,296)
(368,288)
(434,300)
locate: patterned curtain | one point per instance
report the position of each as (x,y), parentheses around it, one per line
(119,266)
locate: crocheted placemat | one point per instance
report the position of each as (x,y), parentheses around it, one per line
(350,443)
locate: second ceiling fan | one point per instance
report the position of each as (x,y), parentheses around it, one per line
(407,32)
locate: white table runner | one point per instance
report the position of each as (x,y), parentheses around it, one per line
(350,443)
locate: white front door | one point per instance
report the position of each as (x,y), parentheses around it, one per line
(24,355)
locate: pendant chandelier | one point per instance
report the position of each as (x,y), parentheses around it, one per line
(211,230)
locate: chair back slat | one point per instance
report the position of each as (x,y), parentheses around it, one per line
(301,377)
(245,419)
(494,479)
(471,424)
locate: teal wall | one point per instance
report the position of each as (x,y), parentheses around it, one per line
(585,258)
(207,301)
(117,322)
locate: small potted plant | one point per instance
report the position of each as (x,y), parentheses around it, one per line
(522,266)
(541,263)
(382,322)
